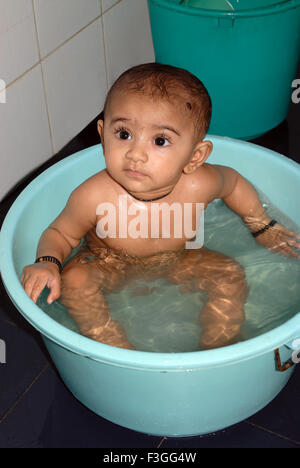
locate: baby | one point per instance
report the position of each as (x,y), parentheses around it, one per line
(155,121)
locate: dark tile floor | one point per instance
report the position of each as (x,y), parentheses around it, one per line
(37,410)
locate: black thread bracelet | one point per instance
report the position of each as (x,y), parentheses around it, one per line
(264,229)
(49,258)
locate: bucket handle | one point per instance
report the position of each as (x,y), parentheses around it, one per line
(295,359)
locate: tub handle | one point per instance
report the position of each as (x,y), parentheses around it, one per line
(295,359)
(282,367)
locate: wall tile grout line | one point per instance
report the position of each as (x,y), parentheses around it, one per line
(36,29)
(52,51)
(43,77)
(105,52)
(22,75)
(71,37)
(104,42)
(110,8)
(11,409)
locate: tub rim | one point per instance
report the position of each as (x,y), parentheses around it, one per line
(78,344)
(285,5)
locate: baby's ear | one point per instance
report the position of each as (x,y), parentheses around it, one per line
(100,127)
(200,154)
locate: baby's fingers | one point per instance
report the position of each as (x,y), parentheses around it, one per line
(291,234)
(289,252)
(293,243)
(286,244)
(34,286)
(285,249)
(54,287)
(38,288)
(25,276)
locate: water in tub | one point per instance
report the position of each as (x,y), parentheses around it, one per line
(158,317)
(211,4)
(227,5)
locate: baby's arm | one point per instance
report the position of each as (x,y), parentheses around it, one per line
(58,240)
(240,196)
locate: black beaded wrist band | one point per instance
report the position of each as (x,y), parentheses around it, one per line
(264,229)
(49,258)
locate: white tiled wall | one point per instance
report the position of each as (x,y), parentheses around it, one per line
(57,58)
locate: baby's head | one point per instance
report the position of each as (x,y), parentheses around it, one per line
(155,119)
(177,86)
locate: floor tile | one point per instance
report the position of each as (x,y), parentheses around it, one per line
(25,359)
(21,428)
(8,312)
(282,415)
(69,424)
(241,435)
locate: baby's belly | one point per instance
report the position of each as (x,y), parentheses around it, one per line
(140,247)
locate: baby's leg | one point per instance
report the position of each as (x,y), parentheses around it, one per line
(224,280)
(81,293)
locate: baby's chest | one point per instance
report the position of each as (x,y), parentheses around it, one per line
(155,220)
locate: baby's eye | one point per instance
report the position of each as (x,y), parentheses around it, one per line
(161,141)
(123,134)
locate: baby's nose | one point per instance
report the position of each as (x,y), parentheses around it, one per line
(137,152)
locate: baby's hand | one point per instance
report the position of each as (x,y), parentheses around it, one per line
(35,277)
(278,239)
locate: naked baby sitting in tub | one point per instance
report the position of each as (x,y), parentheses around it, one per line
(155,120)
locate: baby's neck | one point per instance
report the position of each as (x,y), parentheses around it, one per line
(150,199)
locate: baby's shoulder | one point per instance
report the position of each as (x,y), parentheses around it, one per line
(94,179)
(95,184)
(206,176)
(204,183)
(91,190)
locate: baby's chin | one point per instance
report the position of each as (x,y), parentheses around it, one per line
(131,184)
(143,187)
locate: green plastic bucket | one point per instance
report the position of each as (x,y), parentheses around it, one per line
(246,56)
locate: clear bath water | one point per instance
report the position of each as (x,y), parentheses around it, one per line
(209,4)
(158,317)
(227,5)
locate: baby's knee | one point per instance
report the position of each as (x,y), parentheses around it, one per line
(236,280)
(74,277)
(228,281)
(236,271)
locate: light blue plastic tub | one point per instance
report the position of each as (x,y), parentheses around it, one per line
(163,394)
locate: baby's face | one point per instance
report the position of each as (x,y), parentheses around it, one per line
(147,143)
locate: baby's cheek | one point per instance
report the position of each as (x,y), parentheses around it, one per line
(112,164)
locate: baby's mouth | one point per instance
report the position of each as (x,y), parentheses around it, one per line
(135,174)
